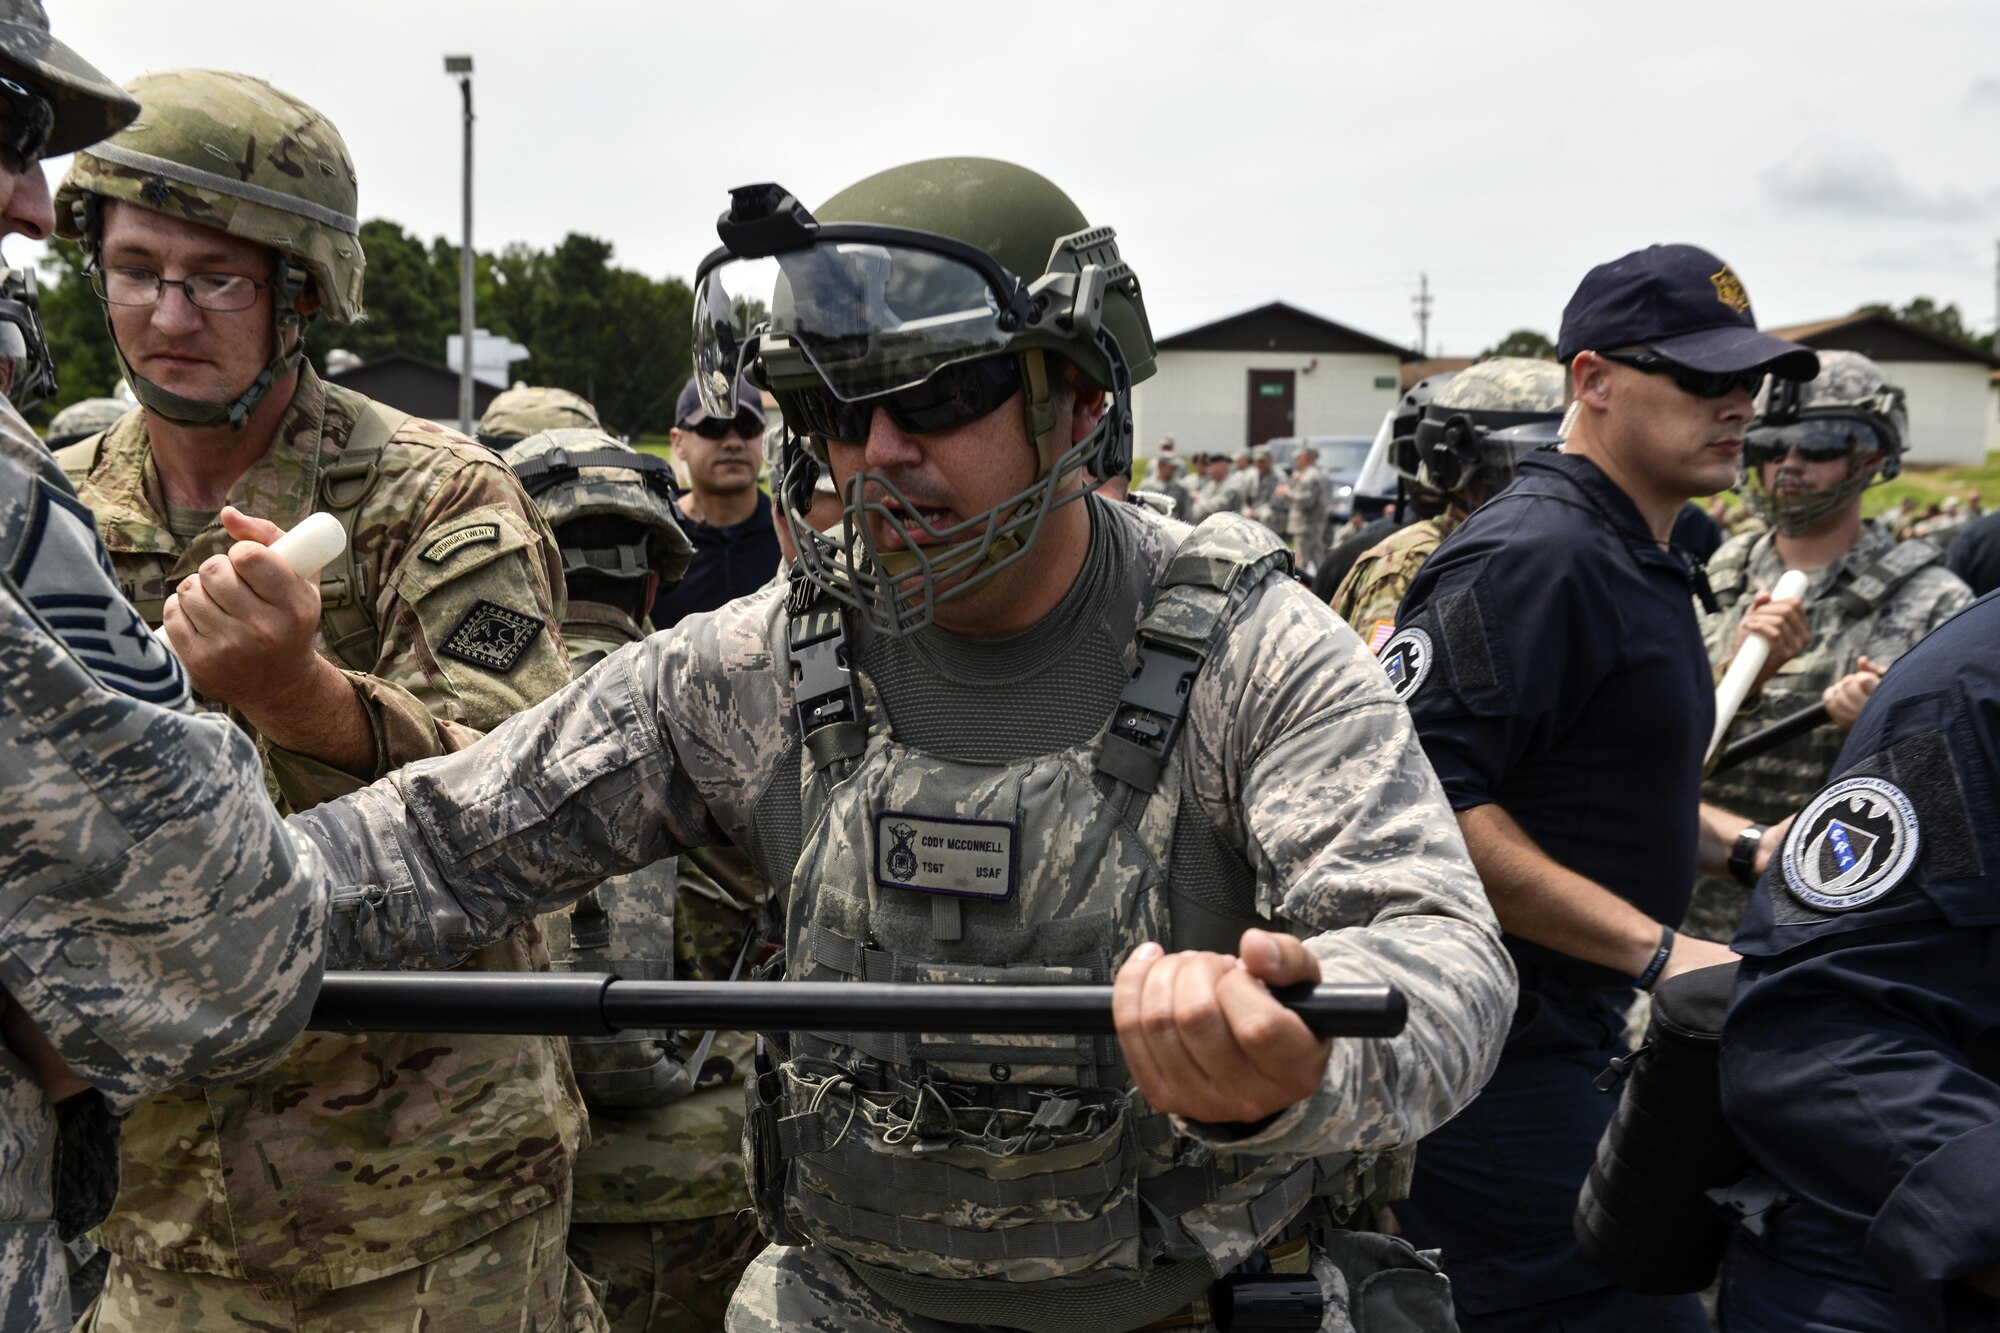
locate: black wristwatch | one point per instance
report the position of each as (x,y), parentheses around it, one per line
(1743,855)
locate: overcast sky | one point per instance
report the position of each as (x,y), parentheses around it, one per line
(1323,154)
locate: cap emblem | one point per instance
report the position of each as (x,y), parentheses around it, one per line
(1729,289)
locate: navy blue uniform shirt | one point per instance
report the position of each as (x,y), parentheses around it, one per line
(1861,1055)
(1975,554)
(728,562)
(1551,659)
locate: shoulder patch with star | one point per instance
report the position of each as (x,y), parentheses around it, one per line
(492,636)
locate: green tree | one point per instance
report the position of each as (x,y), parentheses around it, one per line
(1927,314)
(410,296)
(1523,342)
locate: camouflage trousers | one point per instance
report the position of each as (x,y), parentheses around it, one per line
(516,1279)
(665,1277)
(788,1289)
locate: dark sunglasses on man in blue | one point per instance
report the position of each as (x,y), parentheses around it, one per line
(1700,383)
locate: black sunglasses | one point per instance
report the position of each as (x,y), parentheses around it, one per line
(747,424)
(1816,442)
(1700,383)
(953,396)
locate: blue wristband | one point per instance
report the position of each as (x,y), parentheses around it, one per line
(1645,979)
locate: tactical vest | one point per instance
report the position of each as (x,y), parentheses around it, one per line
(347,604)
(1771,786)
(1014,1180)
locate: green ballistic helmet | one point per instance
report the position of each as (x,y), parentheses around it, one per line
(85,417)
(230,152)
(530,409)
(1849,410)
(576,473)
(935,290)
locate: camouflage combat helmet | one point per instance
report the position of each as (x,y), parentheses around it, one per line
(86,416)
(1477,427)
(51,101)
(80,107)
(1409,411)
(578,473)
(231,152)
(1850,411)
(936,291)
(526,410)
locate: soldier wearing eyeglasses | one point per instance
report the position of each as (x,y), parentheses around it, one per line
(1808,455)
(1000,729)
(364,1179)
(727,515)
(1551,659)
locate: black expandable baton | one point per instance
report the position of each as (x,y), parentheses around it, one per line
(1789,727)
(594,1004)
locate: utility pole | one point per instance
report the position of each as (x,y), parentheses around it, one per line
(1996,298)
(462,66)
(1422,302)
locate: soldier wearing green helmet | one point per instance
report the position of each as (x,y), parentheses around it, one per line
(530,409)
(364,1179)
(999,729)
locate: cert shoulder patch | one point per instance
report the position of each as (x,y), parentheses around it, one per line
(1407,659)
(1852,844)
(473,534)
(491,636)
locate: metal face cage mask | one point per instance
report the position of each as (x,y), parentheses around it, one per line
(877,315)
(1874,425)
(35,368)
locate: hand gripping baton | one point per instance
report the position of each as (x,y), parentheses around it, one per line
(312,545)
(1750,659)
(596,1004)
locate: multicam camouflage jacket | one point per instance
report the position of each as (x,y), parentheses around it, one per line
(1294,749)
(136,848)
(658,1154)
(1855,607)
(360,1156)
(1368,597)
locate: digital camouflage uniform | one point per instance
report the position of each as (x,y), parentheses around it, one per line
(1311,503)
(1295,753)
(660,1215)
(136,848)
(1368,597)
(383,1172)
(1922,595)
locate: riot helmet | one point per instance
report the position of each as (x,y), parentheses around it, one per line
(611,507)
(935,291)
(1848,411)
(1403,426)
(229,152)
(1477,428)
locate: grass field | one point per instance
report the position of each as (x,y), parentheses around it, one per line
(1930,485)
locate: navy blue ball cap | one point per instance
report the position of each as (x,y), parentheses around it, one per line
(1685,304)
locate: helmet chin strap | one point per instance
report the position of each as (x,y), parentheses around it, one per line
(195,412)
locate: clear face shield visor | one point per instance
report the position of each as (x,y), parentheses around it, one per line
(1476,454)
(1775,457)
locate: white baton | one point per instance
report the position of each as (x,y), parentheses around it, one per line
(1750,659)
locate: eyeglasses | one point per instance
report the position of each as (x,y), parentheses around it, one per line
(746,424)
(129,285)
(30,121)
(1700,383)
(953,396)
(1820,441)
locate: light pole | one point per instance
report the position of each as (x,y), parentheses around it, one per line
(462,67)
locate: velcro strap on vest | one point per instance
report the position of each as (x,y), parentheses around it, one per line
(1897,566)
(1278,1204)
(1215,565)
(829,710)
(861,1176)
(1029,1240)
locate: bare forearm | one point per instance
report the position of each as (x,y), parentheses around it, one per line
(1719,831)
(1547,904)
(323,718)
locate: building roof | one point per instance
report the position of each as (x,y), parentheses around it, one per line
(414,385)
(1278,327)
(1883,337)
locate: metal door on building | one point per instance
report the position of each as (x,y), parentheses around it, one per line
(1270,405)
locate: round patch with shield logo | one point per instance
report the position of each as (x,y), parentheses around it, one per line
(1407,659)
(1853,844)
